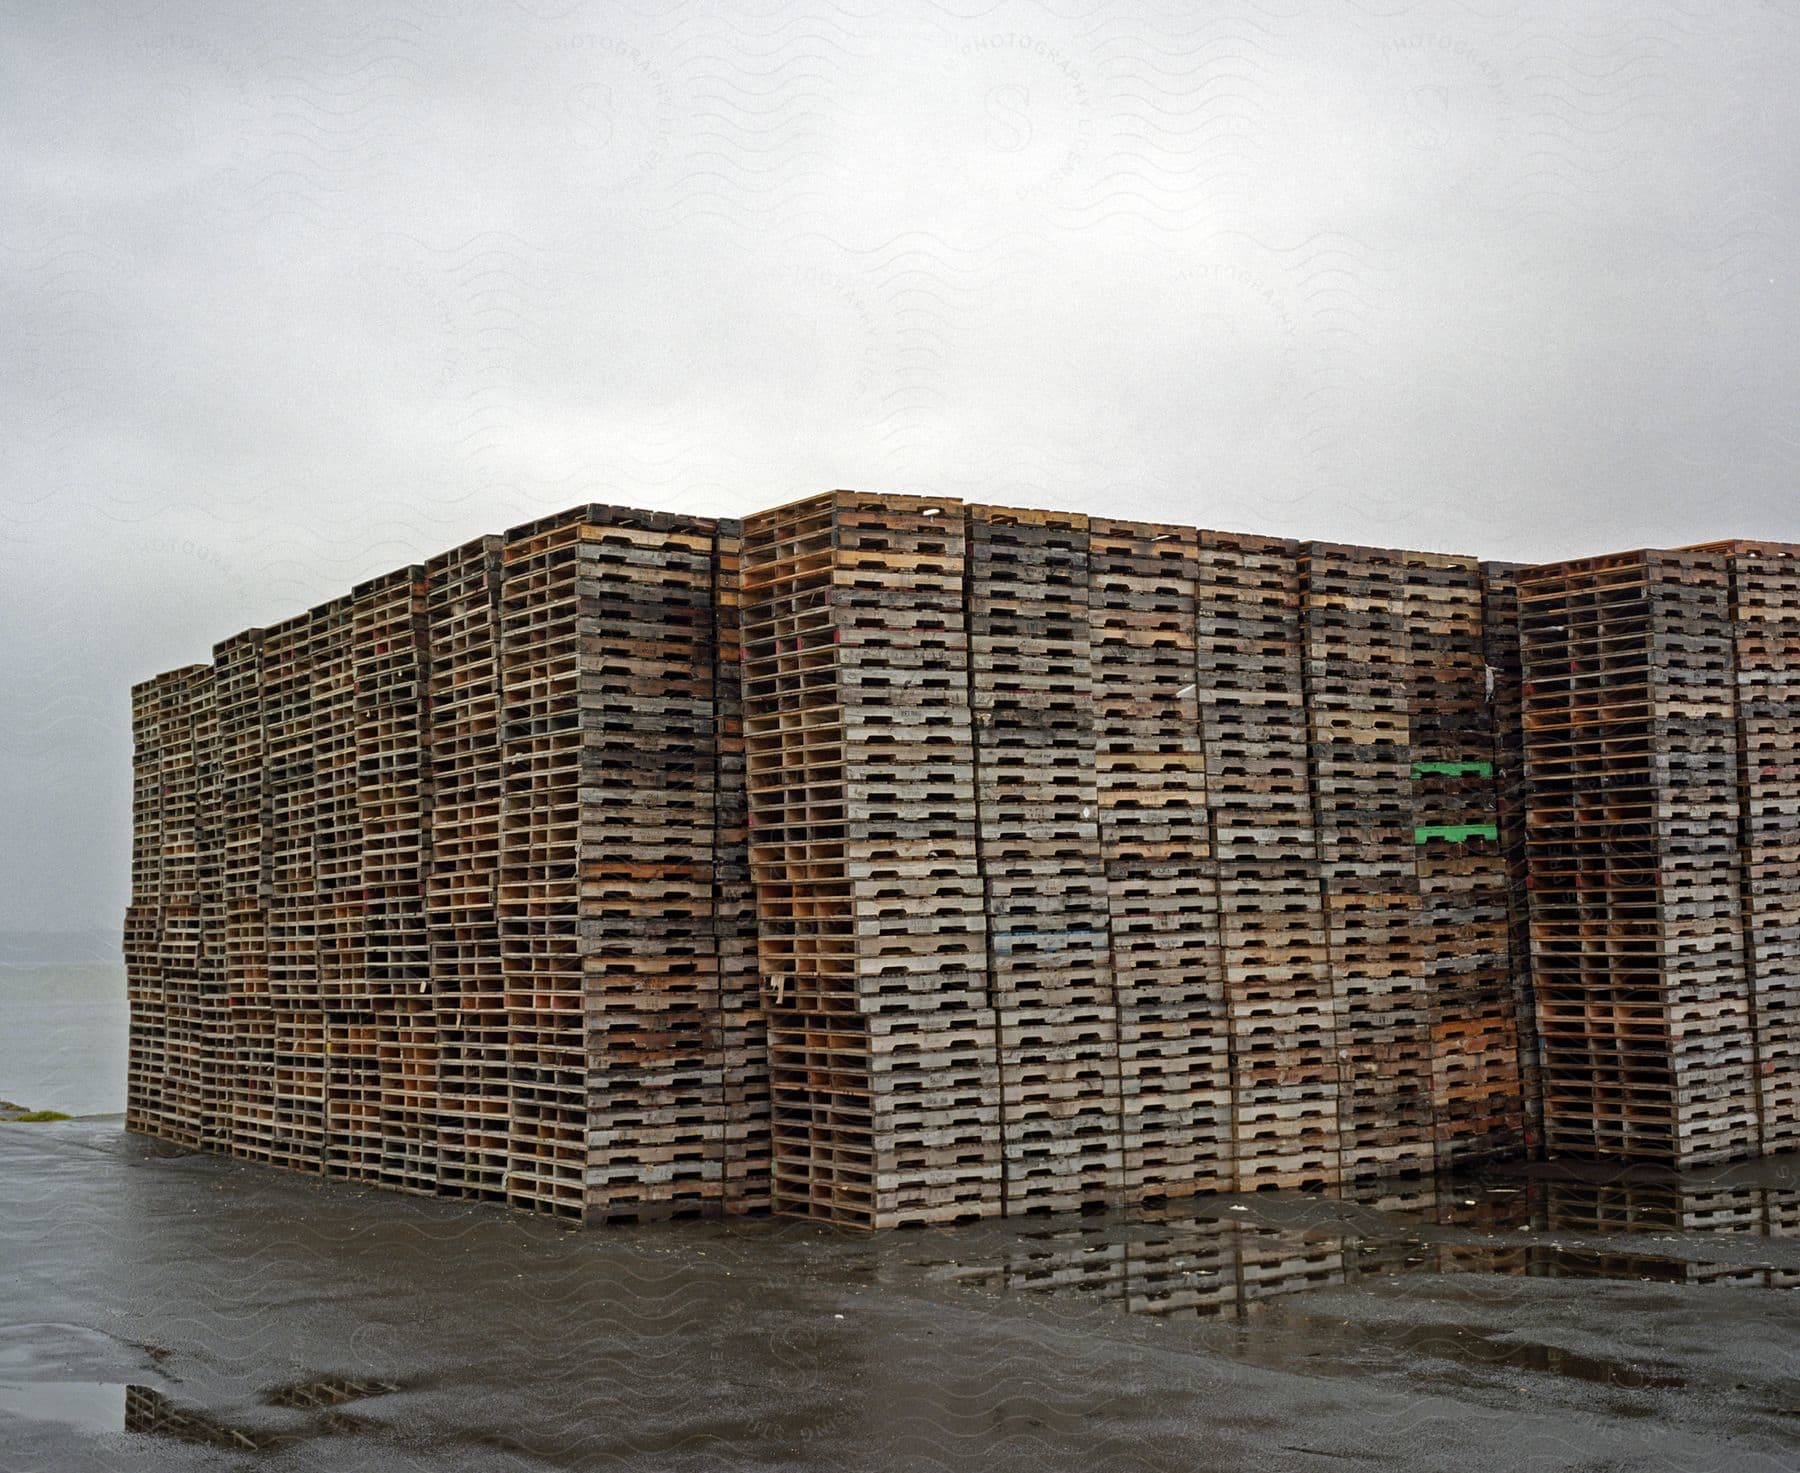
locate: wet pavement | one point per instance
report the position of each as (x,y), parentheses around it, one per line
(161,1309)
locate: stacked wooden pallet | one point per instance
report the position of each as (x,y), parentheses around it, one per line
(390,664)
(872,938)
(1765,612)
(744,1034)
(297,1042)
(655,1081)
(474,1084)
(312,1009)
(179,940)
(1044,860)
(245,833)
(1038,844)
(1464,937)
(1156,846)
(147,1030)
(1249,648)
(1500,612)
(1634,855)
(538,899)
(606,880)
(321,870)
(1358,679)
(351,1134)
(212,1044)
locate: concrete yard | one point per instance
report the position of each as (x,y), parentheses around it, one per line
(165,1310)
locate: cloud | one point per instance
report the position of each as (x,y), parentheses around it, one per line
(297,297)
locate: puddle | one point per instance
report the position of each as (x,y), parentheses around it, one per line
(1477,1347)
(92,1406)
(1332,1347)
(1214,1256)
(112,1407)
(1234,1260)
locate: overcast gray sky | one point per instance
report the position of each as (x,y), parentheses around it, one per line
(296,294)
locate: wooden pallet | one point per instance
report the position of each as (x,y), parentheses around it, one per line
(1629,722)
(308,699)
(1765,622)
(608,952)
(147,1035)
(1358,677)
(475,1085)
(862,800)
(1281,1020)
(246,879)
(1038,845)
(184,694)
(1463,934)
(746,1142)
(1156,837)
(974,860)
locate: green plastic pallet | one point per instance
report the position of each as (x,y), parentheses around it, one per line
(1456,833)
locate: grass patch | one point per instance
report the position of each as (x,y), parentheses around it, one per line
(38,1117)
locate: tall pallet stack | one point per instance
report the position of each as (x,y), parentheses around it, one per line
(744,1033)
(540,867)
(1038,842)
(884,1084)
(887,860)
(212,1040)
(606,881)
(1500,612)
(297,1043)
(1156,846)
(656,1081)
(180,938)
(1249,651)
(1630,719)
(1464,944)
(463,722)
(350,1143)
(390,664)
(1765,611)
(245,834)
(1358,677)
(147,1030)
(312,1022)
